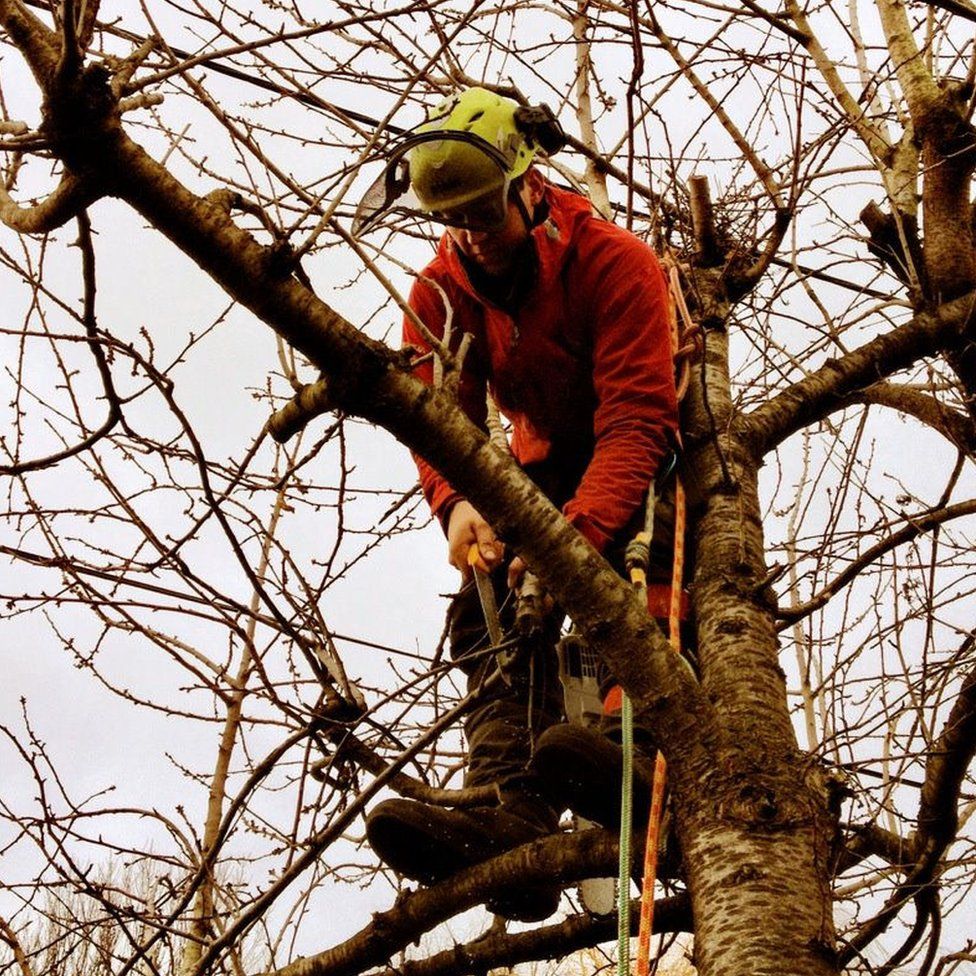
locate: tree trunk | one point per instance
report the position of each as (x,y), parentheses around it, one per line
(754,820)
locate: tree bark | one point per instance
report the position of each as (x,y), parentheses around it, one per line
(756,829)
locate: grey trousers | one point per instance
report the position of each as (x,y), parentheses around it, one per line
(508,719)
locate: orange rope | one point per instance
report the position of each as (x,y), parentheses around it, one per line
(687,342)
(685,350)
(660,765)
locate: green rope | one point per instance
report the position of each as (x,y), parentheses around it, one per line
(637,557)
(626,803)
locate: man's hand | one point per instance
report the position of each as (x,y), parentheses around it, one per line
(516,570)
(465,526)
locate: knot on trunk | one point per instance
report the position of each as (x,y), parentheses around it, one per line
(76,113)
(769,794)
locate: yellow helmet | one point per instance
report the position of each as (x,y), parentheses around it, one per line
(457,167)
(447,173)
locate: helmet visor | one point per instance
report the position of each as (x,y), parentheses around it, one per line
(454,178)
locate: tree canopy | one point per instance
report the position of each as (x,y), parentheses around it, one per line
(219,583)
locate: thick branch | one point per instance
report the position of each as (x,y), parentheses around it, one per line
(949,759)
(71,197)
(560,859)
(956,427)
(9,936)
(962,8)
(309,402)
(870,840)
(36,42)
(917,84)
(948,143)
(550,942)
(708,251)
(596,180)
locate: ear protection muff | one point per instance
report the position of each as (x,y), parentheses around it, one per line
(540,127)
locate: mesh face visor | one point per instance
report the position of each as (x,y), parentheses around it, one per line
(454,178)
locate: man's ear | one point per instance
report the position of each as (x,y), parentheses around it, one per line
(535,183)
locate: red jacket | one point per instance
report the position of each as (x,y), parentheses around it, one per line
(582,369)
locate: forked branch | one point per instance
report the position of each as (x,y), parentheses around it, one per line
(829,388)
(946,768)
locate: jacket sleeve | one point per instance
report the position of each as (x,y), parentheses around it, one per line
(636,417)
(429,304)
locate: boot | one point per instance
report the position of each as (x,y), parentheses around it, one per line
(580,769)
(428,843)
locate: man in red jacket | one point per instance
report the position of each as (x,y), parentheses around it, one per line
(566,324)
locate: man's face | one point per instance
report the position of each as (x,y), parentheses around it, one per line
(496,251)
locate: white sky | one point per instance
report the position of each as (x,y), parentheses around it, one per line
(99,741)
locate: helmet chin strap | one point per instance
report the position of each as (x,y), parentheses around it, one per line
(524,210)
